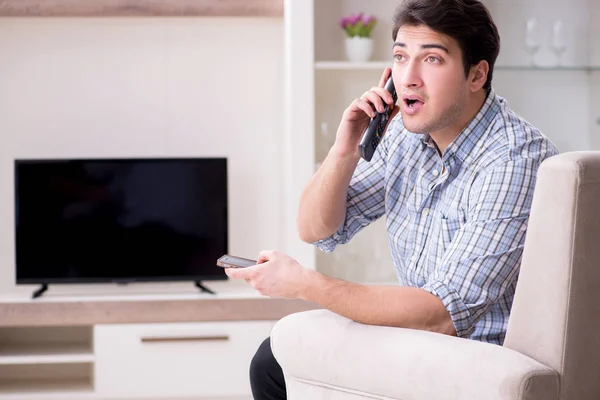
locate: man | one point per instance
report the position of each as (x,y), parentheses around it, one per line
(454,176)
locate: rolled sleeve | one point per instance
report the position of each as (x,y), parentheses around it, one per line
(327,245)
(459,312)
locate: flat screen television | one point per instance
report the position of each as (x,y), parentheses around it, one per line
(120,220)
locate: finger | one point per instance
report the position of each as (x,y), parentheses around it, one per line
(376,100)
(384,77)
(265,255)
(366,107)
(230,272)
(237,273)
(262,260)
(384,94)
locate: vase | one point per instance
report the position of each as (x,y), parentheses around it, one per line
(359,49)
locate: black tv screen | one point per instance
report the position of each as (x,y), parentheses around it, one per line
(120,220)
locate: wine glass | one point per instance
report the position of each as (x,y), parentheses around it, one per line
(532,38)
(558,44)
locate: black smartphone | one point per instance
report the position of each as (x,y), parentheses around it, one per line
(376,128)
(228,261)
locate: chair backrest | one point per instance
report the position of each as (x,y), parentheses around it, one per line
(555,317)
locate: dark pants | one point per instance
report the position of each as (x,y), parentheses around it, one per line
(266,376)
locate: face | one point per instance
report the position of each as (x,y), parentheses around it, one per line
(433,92)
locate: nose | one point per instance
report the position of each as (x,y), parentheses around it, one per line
(411,75)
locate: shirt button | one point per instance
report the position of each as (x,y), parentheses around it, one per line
(413,259)
(435,173)
(425,212)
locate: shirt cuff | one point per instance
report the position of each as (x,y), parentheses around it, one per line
(328,244)
(461,317)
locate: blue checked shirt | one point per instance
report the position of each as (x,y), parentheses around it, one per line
(456,223)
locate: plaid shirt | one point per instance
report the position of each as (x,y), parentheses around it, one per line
(456,223)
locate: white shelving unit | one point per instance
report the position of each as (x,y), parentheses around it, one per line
(48,362)
(321,84)
(536,86)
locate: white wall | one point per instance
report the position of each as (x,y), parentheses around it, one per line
(121,87)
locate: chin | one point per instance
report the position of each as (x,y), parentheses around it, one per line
(414,126)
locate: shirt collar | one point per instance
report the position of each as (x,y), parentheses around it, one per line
(426,140)
(466,142)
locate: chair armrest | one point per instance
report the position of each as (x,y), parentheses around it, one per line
(324,349)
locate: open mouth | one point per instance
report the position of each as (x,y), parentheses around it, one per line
(413,102)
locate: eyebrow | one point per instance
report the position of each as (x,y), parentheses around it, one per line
(426,46)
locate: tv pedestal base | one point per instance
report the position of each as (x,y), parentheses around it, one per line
(203,288)
(40,291)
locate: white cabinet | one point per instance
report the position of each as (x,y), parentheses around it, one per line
(195,360)
(207,359)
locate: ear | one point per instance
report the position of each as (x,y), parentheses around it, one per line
(478,75)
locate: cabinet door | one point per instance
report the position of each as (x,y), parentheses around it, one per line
(169,360)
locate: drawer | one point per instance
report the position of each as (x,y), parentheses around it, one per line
(170,360)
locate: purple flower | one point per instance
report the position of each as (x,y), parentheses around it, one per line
(366,20)
(358,25)
(344,22)
(354,18)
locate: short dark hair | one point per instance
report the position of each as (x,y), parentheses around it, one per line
(467,21)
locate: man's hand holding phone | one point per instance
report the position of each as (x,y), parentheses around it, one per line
(358,115)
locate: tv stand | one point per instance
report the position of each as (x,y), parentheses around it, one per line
(203,288)
(40,291)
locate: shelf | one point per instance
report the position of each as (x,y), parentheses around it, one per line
(55,389)
(583,68)
(345,65)
(45,353)
(381,65)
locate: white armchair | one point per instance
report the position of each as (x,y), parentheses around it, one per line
(552,348)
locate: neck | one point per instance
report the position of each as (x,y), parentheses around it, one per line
(445,136)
